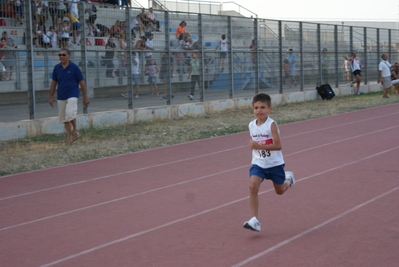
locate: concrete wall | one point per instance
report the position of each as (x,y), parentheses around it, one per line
(32,128)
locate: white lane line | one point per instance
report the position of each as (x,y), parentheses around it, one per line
(289,240)
(222,206)
(196,157)
(184,182)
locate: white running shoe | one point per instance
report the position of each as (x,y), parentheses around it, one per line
(124,95)
(136,96)
(191,97)
(253,224)
(290,176)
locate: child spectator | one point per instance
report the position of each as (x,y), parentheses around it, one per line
(194,74)
(52,34)
(65,35)
(152,71)
(180,29)
(75,25)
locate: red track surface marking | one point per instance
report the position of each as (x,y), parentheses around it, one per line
(184,205)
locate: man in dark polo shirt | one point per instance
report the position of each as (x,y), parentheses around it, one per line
(68,77)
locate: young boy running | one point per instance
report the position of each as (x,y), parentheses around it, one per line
(267,159)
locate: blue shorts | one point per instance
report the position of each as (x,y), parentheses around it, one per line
(276,174)
(135,78)
(152,79)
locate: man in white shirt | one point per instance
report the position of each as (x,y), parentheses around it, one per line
(384,74)
(151,17)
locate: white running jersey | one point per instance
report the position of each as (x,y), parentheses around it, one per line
(263,135)
(223,45)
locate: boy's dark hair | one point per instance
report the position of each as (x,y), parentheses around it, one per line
(262,97)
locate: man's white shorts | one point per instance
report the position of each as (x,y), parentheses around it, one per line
(387,82)
(67,109)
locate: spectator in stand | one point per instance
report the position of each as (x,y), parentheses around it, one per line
(110,48)
(123,55)
(125,3)
(46,39)
(152,71)
(145,20)
(149,46)
(141,43)
(115,29)
(179,55)
(73,7)
(38,13)
(223,44)
(180,29)
(151,18)
(75,25)
(53,37)
(52,10)
(10,55)
(61,10)
(91,9)
(65,34)
(18,11)
(135,74)
(137,25)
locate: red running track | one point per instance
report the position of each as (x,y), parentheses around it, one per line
(184,205)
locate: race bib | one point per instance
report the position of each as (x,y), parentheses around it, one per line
(261,154)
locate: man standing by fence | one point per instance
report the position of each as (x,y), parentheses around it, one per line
(384,75)
(68,77)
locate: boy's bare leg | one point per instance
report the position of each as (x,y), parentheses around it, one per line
(254,185)
(68,131)
(281,188)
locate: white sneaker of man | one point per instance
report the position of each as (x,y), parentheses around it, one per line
(290,176)
(253,224)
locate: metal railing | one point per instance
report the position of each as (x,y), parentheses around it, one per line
(32,65)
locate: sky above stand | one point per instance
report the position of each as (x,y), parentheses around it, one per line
(320,10)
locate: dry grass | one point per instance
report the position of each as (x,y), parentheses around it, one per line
(47,151)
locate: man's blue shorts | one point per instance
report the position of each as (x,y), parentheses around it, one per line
(276,174)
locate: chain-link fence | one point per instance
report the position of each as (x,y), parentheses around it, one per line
(227,56)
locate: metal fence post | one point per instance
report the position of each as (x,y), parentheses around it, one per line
(336,55)
(319,56)
(378,49)
(280,55)
(301,56)
(365,54)
(202,76)
(257,57)
(230,53)
(30,62)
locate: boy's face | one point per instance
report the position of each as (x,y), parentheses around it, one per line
(261,110)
